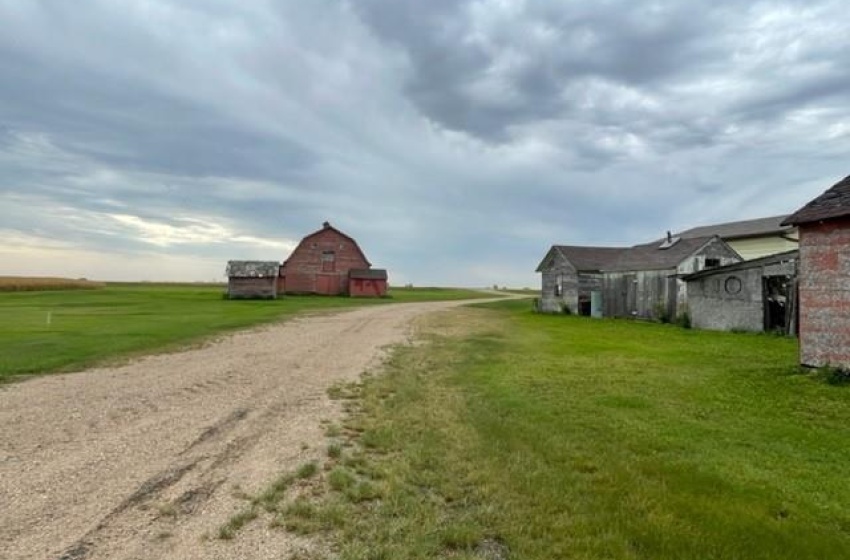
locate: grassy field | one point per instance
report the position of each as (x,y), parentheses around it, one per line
(51,331)
(523,436)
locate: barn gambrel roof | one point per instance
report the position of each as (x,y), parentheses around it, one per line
(328,227)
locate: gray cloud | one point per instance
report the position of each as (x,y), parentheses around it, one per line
(455,139)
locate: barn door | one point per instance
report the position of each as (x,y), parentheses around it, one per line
(326,284)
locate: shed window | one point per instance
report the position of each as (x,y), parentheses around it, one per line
(733,285)
(712,263)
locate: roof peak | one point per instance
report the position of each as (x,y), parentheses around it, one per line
(833,203)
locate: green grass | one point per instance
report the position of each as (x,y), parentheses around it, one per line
(539,437)
(91,326)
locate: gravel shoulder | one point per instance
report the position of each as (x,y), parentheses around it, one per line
(145,460)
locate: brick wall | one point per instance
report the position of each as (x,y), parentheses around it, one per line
(825,294)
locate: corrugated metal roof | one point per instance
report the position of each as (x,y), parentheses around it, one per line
(740,229)
(834,203)
(252,269)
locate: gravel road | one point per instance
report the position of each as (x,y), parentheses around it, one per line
(144,461)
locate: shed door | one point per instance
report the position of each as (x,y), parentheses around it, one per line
(630,287)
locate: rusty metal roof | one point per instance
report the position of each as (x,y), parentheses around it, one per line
(834,203)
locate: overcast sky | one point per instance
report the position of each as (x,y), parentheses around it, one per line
(455,140)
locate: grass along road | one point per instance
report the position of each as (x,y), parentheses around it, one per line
(70,330)
(515,435)
(149,459)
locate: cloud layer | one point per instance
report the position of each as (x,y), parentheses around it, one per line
(456,140)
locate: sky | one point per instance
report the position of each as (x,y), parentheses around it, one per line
(456,140)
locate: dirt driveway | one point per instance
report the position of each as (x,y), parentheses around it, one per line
(146,460)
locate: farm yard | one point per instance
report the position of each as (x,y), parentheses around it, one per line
(516,435)
(501,434)
(215,213)
(48,331)
(148,459)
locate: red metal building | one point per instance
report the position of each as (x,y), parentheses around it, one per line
(824,277)
(329,262)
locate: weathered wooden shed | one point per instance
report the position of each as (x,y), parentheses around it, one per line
(252,279)
(755,295)
(571,275)
(639,281)
(824,277)
(322,263)
(645,281)
(367,282)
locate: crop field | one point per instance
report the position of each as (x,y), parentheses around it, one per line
(515,435)
(26,284)
(53,331)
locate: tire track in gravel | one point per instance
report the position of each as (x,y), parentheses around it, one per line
(144,460)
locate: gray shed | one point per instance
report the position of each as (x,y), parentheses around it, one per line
(252,279)
(571,274)
(639,281)
(645,281)
(756,295)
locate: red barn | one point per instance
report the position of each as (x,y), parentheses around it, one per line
(329,262)
(824,277)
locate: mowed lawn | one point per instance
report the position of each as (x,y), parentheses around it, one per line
(51,331)
(517,435)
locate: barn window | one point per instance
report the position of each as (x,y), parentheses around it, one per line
(328,261)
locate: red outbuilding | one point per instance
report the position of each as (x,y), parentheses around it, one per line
(329,262)
(367,282)
(824,277)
